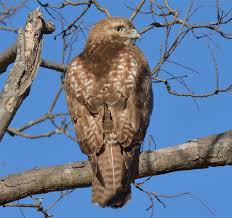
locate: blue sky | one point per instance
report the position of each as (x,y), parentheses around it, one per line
(175,120)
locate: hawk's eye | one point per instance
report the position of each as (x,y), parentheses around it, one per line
(119,28)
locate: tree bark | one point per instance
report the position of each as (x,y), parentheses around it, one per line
(27,60)
(215,150)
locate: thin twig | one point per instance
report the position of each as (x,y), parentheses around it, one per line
(38,207)
(62,195)
(73,23)
(204,95)
(54,101)
(62,5)
(9,29)
(101,8)
(137,9)
(13,132)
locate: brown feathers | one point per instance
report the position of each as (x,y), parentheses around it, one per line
(108,90)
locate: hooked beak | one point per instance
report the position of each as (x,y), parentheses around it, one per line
(134,34)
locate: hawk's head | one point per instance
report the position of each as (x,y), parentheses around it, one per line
(113,29)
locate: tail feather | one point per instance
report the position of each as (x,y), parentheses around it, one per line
(115,168)
(113,192)
(104,199)
(97,191)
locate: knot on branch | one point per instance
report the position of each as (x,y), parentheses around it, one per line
(35,23)
(49,28)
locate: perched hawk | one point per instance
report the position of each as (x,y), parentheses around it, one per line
(109,95)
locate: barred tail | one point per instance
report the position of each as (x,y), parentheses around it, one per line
(111,191)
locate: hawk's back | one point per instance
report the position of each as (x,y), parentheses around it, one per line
(109,96)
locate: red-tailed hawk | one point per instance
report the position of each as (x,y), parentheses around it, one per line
(109,95)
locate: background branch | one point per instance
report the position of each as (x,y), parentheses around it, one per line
(137,9)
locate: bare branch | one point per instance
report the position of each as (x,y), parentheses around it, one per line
(48,116)
(54,101)
(18,83)
(215,150)
(137,9)
(53,66)
(66,3)
(62,5)
(9,29)
(73,23)
(8,57)
(62,195)
(204,95)
(102,9)
(38,207)
(10,11)
(213,26)
(13,132)
(168,50)
(154,196)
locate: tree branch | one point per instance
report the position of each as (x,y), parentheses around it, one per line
(8,57)
(53,66)
(20,78)
(215,150)
(137,9)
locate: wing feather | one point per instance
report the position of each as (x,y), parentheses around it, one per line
(87,117)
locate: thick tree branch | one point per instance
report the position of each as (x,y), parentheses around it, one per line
(201,153)
(8,57)
(20,78)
